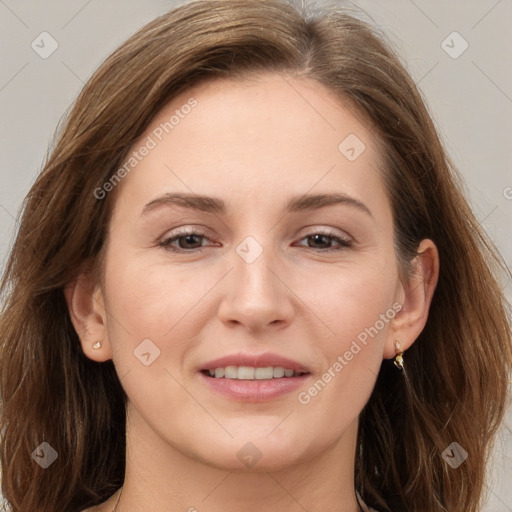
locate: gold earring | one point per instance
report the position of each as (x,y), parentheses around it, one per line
(97,345)
(399,358)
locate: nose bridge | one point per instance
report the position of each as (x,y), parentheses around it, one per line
(256,296)
(254,274)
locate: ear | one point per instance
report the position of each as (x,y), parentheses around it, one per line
(415,296)
(87,311)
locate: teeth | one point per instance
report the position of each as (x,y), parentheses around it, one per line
(278,372)
(245,373)
(231,372)
(264,373)
(251,373)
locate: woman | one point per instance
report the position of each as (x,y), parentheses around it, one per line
(247,278)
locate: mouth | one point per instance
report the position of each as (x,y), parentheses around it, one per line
(252,373)
(253,378)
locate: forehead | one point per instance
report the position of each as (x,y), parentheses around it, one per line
(268,134)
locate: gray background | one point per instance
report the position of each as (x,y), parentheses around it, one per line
(470,99)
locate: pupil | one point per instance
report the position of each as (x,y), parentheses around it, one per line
(317,238)
(188,239)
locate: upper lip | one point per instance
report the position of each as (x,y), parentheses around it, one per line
(255,360)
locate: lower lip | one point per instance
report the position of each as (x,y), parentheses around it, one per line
(254,391)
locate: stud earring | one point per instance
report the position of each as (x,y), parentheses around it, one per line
(399,358)
(97,345)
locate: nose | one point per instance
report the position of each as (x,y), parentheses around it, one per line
(256,294)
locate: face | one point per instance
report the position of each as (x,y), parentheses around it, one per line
(285,266)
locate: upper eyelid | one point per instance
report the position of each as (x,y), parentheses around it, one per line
(204,232)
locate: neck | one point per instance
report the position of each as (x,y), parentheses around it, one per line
(160,477)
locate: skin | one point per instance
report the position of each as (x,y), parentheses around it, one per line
(253,144)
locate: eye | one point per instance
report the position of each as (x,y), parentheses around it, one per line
(185,240)
(326,238)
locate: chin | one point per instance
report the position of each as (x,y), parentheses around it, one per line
(254,452)
(261,462)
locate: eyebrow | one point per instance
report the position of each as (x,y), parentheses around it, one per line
(216,205)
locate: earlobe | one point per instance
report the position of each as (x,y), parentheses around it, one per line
(87,312)
(417,298)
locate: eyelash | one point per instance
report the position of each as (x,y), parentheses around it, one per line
(166,244)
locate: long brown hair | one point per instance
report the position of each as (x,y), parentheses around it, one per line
(455,388)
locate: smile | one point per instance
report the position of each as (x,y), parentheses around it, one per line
(253,373)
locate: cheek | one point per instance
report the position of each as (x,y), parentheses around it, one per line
(353,302)
(163,303)
(357,308)
(153,322)
(152,300)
